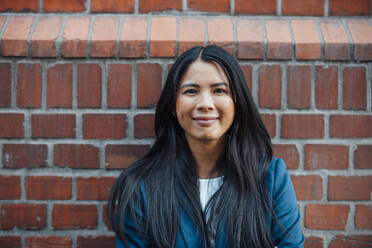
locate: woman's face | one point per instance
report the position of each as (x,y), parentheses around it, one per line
(205,107)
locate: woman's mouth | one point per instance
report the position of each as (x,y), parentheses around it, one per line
(205,120)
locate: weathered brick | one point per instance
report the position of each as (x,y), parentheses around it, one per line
(64,6)
(313,242)
(95,241)
(302,126)
(361,31)
(223,39)
(306,38)
(121,156)
(119,85)
(351,188)
(294,7)
(330,157)
(191,33)
(19,6)
(363,216)
(104,126)
(209,6)
(44,38)
(48,241)
(247,71)
(326,87)
(94,188)
(159,5)
(289,153)
(325,216)
(350,126)
(163,37)
(76,156)
(355,88)
(24,156)
(5,85)
(351,241)
(10,241)
(255,7)
(10,187)
(279,39)
(66,216)
(75,37)
(270,86)
(53,126)
(250,39)
(363,157)
(269,121)
(103,41)
(22,216)
(144,126)
(336,42)
(299,86)
(11,125)
(349,7)
(133,37)
(112,6)
(14,40)
(29,85)
(59,93)
(149,85)
(48,188)
(89,85)
(308,187)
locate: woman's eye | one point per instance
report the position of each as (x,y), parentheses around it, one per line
(220,91)
(190,91)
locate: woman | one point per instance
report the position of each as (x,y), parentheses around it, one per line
(210,179)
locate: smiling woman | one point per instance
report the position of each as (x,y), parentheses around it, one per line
(210,179)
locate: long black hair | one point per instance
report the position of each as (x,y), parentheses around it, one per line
(168,177)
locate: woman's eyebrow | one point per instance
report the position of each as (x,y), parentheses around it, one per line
(189,85)
(198,86)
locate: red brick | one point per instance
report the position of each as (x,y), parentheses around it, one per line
(76,156)
(361,31)
(48,188)
(29,85)
(149,85)
(191,33)
(351,126)
(119,86)
(64,6)
(209,6)
(45,35)
(250,39)
(326,217)
(363,216)
(133,37)
(10,241)
(355,88)
(299,86)
(96,242)
(308,187)
(326,87)
(112,6)
(349,7)
(23,216)
(363,157)
(60,86)
(351,188)
(14,40)
(336,42)
(74,216)
(144,126)
(306,38)
(11,125)
(19,6)
(302,126)
(163,37)
(330,157)
(270,86)
(105,218)
(247,71)
(313,242)
(289,153)
(255,7)
(24,156)
(351,241)
(93,188)
(121,156)
(159,5)
(5,85)
(223,39)
(48,241)
(269,121)
(294,7)
(53,126)
(279,39)
(10,187)
(89,85)
(103,41)
(75,37)
(104,126)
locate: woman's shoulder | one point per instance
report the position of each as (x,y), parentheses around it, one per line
(277,176)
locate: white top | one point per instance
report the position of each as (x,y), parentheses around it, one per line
(207,188)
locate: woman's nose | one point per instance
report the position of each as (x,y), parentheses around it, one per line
(205,102)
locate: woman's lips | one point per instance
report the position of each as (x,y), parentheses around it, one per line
(205,121)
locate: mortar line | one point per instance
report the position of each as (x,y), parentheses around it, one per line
(30,34)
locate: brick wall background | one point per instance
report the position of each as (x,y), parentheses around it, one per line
(79,81)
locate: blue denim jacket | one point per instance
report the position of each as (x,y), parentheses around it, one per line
(280,188)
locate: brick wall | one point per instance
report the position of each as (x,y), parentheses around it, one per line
(78,94)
